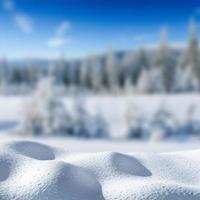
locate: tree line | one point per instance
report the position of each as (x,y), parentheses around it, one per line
(161,69)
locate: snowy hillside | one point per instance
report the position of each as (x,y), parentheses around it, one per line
(30,171)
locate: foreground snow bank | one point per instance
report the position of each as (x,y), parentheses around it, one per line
(30,170)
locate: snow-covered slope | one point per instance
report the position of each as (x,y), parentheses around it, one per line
(30,171)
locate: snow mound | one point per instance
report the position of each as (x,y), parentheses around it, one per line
(30,171)
(129,165)
(4,170)
(33,150)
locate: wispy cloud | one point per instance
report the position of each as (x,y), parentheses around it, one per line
(58,42)
(63,28)
(60,39)
(8,5)
(24,22)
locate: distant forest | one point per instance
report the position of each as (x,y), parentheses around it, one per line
(160,69)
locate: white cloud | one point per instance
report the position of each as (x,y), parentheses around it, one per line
(24,22)
(60,39)
(58,42)
(8,5)
(63,28)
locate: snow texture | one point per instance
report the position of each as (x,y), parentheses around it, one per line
(31,170)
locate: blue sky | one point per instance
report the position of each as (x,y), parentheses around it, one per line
(45,28)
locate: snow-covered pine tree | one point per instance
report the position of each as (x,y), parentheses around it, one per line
(45,113)
(85,124)
(128,85)
(135,123)
(99,126)
(190,125)
(144,79)
(144,82)
(4,76)
(163,123)
(112,71)
(143,59)
(187,81)
(192,57)
(125,76)
(132,64)
(178,74)
(156,83)
(82,119)
(31,74)
(163,62)
(193,48)
(84,70)
(96,74)
(187,77)
(61,71)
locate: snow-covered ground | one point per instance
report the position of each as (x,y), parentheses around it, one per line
(115,110)
(30,171)
(64,168)
(93,146)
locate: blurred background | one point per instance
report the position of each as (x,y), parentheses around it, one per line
(96,69)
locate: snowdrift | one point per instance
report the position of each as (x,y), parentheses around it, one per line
(30,171)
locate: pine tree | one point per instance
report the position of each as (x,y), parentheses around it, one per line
(82,119)
(163,62)
(112,71)
(45,113)
(126,78)
(188,82)
(144,81)
(62,71)
(193,51)
(4,75)
(156,83)
(96,72)
(163,48)
(83,73)
(143,59)
(135,123)
(163,123)
(86,74)
(128,85)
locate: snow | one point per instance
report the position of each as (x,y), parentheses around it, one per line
(96,145)
(61,168)
(31,170)
(113,110)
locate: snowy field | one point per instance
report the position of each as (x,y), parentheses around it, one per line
(65,168)
(115,110)
(93,146)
